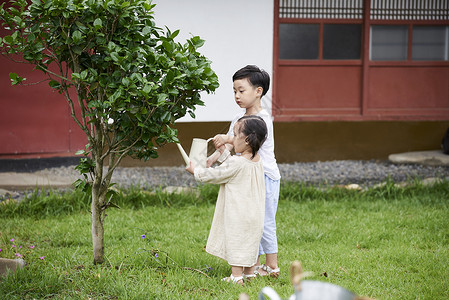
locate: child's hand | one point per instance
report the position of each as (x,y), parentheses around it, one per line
(191,168)
(220,139)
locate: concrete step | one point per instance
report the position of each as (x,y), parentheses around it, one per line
(431,158)
(10,265)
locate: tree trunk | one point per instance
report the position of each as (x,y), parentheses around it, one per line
(97,227)
(97,210)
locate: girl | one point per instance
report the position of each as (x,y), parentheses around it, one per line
(238,221)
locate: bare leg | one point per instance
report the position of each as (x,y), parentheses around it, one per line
(236,272)
(248,270)
(258,261)
(271,261)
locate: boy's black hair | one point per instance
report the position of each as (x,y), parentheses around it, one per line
(255,130)
(257,77)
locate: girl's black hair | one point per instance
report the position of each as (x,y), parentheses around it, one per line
(257,77)
(255,130)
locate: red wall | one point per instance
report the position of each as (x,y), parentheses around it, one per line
(320,92)
(34,119)
(409,90)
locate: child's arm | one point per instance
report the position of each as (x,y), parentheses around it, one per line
(213,158)
(218,175)
(223,144)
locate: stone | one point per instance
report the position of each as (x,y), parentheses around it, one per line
(7,197)
(353,186)
(431,158)
(432,181)
(8,194)
(21,181)
(180,190)
(10,265)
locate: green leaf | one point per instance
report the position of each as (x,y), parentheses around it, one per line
(15,79)
(175,34)
(126,81)
(98,23)
(161,99)
(83,74)
(197,41)
(78,49)
(136,77)
(81,26)
(146,137)
(111,46)
(54,84)
(115,56)
(147,89)
(13,76)
(80,152)
(165,116)
(170,76)
(75,76)
(168,46)
(77,36)
(146,30)
(8,40)
(117,94)
(147,5)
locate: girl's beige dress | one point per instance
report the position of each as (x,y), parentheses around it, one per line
(238,220)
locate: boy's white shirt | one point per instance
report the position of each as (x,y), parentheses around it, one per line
(266,152)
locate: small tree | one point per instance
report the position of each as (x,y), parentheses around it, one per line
(125,80)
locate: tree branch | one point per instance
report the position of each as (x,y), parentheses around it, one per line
(54,74)
(34,83)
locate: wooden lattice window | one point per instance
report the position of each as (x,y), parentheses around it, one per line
(409,10)
(412,30)
(321,9)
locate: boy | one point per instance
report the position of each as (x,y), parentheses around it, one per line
(250,85)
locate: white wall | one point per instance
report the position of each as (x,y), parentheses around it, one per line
(237,33)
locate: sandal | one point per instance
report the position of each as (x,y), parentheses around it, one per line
(235,280)
(269,271)
(250,276)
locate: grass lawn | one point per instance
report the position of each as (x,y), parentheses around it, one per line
(385,243)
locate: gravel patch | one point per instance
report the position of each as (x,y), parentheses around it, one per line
(344,172)
(315,173)
(358,172)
